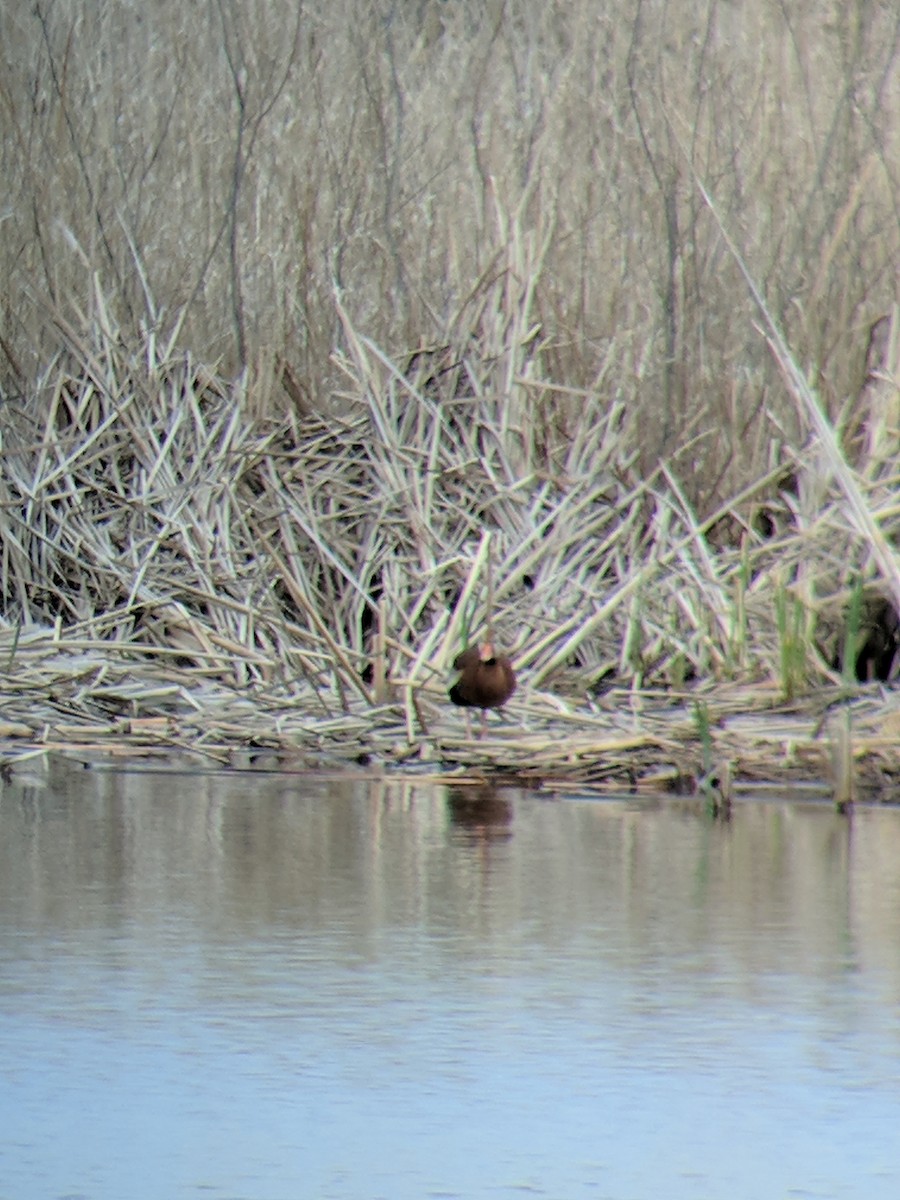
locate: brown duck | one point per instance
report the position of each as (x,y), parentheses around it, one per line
(487,680)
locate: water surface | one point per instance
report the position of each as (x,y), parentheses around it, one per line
(266,987)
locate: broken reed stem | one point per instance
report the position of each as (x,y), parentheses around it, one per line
(842,761)
(489,602)
(379,658)
(342,670)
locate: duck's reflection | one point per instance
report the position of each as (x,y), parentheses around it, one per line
(481,811)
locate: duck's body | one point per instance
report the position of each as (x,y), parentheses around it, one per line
(487,680)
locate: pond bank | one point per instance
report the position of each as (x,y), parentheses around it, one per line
(65,699)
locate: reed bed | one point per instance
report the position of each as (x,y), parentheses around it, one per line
(187,574)
(305,343)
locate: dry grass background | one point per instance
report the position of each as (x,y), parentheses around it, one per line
(310,310)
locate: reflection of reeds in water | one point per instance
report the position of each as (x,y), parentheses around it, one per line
(843,776)
(355,859)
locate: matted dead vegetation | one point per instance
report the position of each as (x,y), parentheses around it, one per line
(308,325)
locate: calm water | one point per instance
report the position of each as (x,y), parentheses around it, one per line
(284,987)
